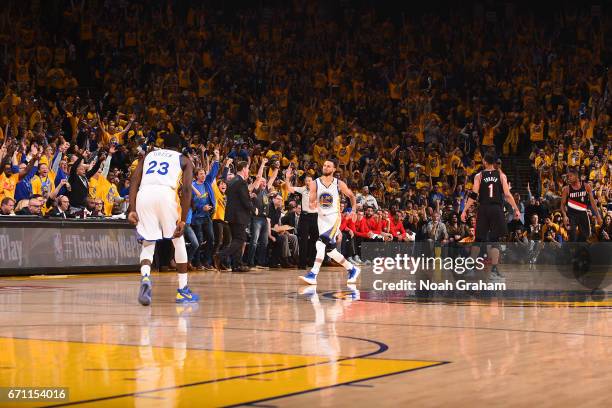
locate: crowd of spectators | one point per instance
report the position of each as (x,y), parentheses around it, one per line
(408,103)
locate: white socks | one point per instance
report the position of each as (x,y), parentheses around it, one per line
(145,270)
(182,278)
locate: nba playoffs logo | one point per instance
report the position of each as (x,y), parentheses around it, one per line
(326,200)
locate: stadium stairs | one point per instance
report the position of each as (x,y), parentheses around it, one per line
(518,170)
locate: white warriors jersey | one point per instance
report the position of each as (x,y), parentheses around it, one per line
(162,168)
(328,197)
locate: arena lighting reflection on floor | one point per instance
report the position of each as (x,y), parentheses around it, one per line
(544,298)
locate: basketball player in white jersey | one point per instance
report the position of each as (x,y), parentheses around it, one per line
(325,198)
(157,183)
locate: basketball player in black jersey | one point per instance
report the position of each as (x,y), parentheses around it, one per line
(490,189)
(575,217)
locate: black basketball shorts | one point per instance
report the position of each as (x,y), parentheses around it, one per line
(490,223)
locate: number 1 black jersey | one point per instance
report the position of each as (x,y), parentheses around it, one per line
(491,191)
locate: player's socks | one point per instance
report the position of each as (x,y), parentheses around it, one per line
(317,266)
(182,280)
(145,270)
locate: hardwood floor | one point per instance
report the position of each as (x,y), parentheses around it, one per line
(262,339)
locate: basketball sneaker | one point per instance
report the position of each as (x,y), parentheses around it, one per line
(185,295)
(495,274)
(355,261)
(310,278)
(352,274)
(144,296)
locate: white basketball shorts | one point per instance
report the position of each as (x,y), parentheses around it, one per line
(158,210)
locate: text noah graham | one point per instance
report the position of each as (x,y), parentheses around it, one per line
(445,285)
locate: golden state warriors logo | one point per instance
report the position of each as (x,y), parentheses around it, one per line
(326,200)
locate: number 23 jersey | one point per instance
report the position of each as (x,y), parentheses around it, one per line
(162,168)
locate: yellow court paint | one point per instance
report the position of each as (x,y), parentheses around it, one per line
(120,375)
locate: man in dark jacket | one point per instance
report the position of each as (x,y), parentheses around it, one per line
(61,209)
(34,206)
(79,182)
(238,211)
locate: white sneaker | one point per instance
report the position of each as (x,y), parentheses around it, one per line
(358,259)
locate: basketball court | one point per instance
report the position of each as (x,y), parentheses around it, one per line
(261,339)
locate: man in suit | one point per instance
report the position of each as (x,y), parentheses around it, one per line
(284,243)
(60,210)
(292,217)
(79,181)
(238,211)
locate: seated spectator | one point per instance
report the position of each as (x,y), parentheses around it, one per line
(98,208)
(396,228)
(61,208)
(534,229)
(456,230)
(471,237)
(347,241)
(604,233)
(284,243)
(34,207)
(7,206)
(292,217)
